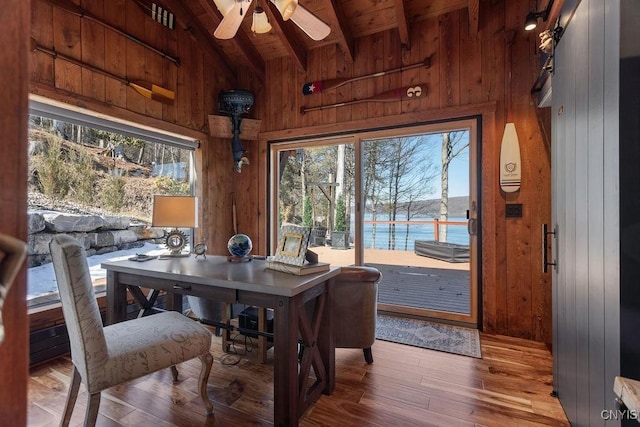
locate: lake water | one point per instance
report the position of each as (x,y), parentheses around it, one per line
(406,235)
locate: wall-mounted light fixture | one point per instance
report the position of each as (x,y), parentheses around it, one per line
(531,21)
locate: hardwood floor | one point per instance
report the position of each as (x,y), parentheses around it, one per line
(405,386)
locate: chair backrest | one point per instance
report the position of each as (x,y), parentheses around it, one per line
(79,306)
(356,306)
(12,253)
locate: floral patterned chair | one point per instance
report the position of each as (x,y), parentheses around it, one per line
(106,356)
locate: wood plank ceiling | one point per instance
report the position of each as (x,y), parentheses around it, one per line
(348,20)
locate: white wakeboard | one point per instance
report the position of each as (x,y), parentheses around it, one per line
(510,164)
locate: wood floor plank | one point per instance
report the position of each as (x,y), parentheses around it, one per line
(509,386)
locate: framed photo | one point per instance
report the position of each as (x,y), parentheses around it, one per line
(293,241)
(291,244)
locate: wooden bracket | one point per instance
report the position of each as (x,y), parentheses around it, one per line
(220,127)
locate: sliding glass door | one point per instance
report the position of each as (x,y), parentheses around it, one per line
(401,200)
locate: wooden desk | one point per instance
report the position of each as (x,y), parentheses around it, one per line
(249,283)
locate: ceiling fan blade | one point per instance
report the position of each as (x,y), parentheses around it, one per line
(309,23)
(231,22)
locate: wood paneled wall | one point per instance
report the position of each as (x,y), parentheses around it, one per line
(14,355)
(196,81)
(488,74)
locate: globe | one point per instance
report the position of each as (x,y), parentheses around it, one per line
(239,245)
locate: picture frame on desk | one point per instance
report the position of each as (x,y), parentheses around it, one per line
(293,241)
(292,253)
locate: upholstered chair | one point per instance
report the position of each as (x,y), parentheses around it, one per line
(356,308)
(12,254)
(105,356)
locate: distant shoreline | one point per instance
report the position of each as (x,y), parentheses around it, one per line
(458,207)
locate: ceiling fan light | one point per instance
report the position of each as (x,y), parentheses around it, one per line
(224,6)
(260,24)
(286,7)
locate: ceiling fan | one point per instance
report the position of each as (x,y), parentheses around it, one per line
(234,11)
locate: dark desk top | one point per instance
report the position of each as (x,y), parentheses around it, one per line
(218,271)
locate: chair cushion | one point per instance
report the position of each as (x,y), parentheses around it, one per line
(142,346)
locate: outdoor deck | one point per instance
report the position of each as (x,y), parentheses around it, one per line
(412,280)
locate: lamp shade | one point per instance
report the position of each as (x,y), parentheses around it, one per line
(224,6)
(260,24)
(175,211)
(286,7)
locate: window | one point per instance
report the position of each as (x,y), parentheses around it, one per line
(107,171)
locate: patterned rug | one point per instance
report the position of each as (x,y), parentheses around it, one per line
(431,335)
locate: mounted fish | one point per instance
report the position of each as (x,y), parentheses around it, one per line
(235,103)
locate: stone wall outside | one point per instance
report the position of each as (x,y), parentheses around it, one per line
(99,233)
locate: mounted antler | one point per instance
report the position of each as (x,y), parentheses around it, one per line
(235,103)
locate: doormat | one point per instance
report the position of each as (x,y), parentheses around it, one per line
(431,335)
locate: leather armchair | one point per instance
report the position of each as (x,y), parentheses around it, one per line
(356,308)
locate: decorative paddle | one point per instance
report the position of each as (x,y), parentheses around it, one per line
(325,85)
(146,89)
(400,94)
(78,11)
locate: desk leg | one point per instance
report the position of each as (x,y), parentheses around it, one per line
(263,345)
(116,299)
(326,339)
(174,302)
(226,332)
(285,361)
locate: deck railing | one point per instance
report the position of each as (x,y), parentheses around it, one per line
(436,224)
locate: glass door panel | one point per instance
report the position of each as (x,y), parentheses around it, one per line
(417,197)
(316,189)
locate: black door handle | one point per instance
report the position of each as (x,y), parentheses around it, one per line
(545,263)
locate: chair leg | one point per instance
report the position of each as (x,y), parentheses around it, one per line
(74,386)
(93,406)
(368,356)
(207,361)
(174,372)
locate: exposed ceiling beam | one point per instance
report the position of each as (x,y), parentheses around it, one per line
(190,23)
(474,17)
(284,30)
(403,23)
(241,41)
(338,23)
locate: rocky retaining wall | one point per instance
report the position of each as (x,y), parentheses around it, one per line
(99,234)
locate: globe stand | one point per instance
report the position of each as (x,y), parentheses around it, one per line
(238,258)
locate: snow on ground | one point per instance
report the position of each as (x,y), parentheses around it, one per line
(41,280)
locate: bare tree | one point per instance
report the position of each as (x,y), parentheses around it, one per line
(407,172)
(453,144)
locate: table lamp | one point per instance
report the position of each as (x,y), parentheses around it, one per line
(175,211)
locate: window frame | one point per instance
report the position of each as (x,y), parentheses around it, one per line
(46,314)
